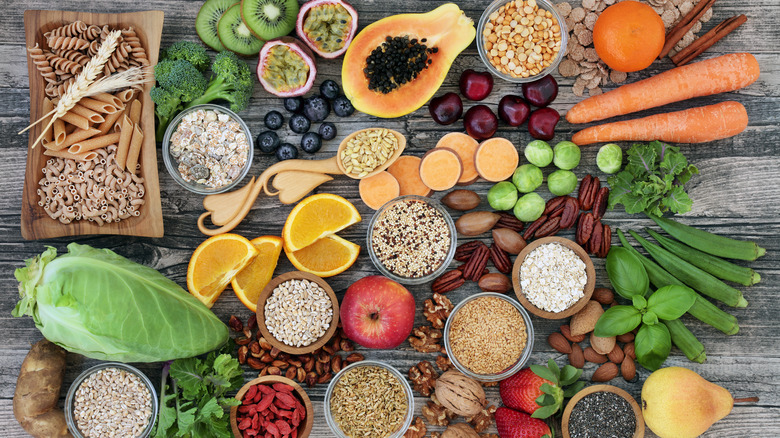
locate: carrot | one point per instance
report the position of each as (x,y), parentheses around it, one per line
(464,146)
(694,125)
(496,159)
(713,76)
(378,189)
(406,170)
(440,168)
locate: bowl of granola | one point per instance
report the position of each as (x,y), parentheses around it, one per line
(207,149)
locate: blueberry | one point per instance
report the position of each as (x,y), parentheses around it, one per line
(328,131)
(316,108)
(330,89)
(273,120)
(342,106)
(311,142)
(299,123)
(286,152)
(293,104)
(267,142)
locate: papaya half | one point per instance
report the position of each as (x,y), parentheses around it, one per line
(430,42)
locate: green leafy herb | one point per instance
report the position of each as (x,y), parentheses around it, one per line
(652,345)
(618,320)
(671,302)
(653,180)
(626,273)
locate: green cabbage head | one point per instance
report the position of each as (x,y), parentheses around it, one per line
(99,304)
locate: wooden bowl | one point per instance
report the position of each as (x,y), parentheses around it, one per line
(269,288)
(304,429)
(590,272)
(640,421)
(390,160)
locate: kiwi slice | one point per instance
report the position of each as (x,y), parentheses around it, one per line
(269,19)
(207,19)
(234,34)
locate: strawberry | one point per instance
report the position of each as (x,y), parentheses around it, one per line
(515,424)
(521,390)
(540,390)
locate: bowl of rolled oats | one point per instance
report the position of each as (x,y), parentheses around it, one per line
(553,277)
(207,149)
(521,40)
(111,399)
(297,312)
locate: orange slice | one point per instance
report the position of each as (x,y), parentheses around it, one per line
(316,217)
(248,283)
(325,257)
(215,262)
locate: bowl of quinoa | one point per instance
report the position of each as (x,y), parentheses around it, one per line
(411,239)
(553,277)
(207,149)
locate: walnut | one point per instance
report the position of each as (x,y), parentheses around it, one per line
(489,384)
(425,339)
(437,310)
(459,430)
(443,363)
(483,419)
(436,415)
(423,377)
(416,430)
(460,394)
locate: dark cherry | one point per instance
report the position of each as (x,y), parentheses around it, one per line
(513,110)
(541,91)
(480,122)
(475,85)
(541,124)
(446,109)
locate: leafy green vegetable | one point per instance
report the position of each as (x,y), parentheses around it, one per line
(652,345)
(671,302)
(653,180)
(626,273)
(618,320)
(99,304)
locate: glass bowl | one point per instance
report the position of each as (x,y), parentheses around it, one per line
(483,20)
(70,397)
(172,164)
(521,361)
(453,238)
(334,427)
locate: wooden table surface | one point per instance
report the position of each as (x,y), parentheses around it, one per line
(736,194)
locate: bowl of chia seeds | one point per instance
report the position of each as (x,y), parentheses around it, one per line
(600,411)
(412,239)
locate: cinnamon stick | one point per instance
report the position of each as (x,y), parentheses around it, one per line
(706,41)
(678,31)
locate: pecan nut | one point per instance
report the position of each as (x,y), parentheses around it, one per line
(509,221)
(571,210)
(354,357)
(500,259)
(464,251)
(437,309)
(584,229)
(531,230)
(495,282)
(600,203)
(448,281)
(554,204)
(477,263)
(606,241)
(423,378)
(235,324)
(549,228)
(587,194)
(594,244)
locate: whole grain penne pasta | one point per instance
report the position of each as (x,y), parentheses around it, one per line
(91,115)
(135,149)
(123,147)
(73,138)
(135,111)
(75,120)
(97,105)
(111,119)
(48,135)
(91,155)
(94,143)
(125,95)
(108,98)
(59,131)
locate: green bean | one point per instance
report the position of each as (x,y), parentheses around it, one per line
(710,243)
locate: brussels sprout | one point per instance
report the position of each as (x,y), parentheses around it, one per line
(502,196)
(539,153)
(609,158)
(527,178)
(562,182)
(529,207)
(567,155)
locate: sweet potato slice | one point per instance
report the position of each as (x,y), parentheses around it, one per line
(406,170)
(440,168)
(496,159)
(378,189)
(465,147)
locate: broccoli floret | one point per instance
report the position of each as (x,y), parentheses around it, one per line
(188,51)
(167,105)
(178,82)
(232,81)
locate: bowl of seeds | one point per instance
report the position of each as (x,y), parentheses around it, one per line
(111,399)
(488,337)
(521,40)
(411,239)
(553,277)
(297,312)
(602,410)
(369,399)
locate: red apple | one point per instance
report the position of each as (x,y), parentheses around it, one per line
(377,312)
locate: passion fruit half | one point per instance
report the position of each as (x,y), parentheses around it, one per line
(327,26)
(286,67)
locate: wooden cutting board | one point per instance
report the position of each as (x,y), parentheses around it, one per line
(36,224)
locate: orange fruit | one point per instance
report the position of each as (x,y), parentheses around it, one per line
(316,217)
(215,262)
(628,36)
(325,257)
(248,283)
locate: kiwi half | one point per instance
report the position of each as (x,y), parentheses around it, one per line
(207,19)
(269,19)
(235,35)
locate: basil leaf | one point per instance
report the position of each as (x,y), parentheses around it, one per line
(617,320)
(639,302)
(672,301)
(626,273)
(652,346)
(650,318)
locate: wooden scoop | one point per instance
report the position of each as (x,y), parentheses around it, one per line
(292,179)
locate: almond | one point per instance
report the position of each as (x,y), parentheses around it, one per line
(628,349)
(591,356)
(602,345)
(603,295)
(605,373)
(616,355)
(626,338)
(576,357)
(584,321)
(628,369)
(566,331)
(559,343)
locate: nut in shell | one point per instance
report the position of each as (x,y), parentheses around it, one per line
(509,240)
(584,321)
(461,200)
(460,394)
(602,345)
(476,223)
(495,282)
(459,430)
